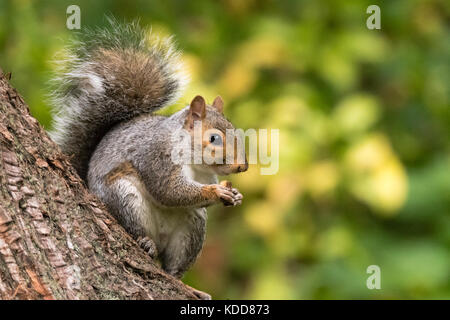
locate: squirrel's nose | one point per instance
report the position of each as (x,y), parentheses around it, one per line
(243,167)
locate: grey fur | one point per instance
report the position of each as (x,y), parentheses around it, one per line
(105,99)
(107,76)
(163,203)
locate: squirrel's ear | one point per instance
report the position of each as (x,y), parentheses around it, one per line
(218,104)
(197,110)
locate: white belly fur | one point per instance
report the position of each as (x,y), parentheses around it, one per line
(164,225)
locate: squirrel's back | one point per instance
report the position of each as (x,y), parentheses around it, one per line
(109,76)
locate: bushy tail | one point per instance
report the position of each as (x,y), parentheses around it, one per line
(108,76)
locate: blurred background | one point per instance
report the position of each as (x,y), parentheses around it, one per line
(364,119)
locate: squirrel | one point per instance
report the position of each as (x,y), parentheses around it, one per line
(111,83)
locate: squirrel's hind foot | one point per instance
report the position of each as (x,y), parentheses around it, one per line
(149,246)
(201,295)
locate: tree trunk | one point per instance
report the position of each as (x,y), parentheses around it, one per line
(57,241)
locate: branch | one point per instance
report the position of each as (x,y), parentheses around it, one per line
(57,241)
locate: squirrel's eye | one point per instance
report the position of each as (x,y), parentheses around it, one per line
(215,139)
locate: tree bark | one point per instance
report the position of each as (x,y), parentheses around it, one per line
(57,241)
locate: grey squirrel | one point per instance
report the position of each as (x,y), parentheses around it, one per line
(113,80)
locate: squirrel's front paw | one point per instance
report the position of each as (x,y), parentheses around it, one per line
(224,194)
(237,196)
(149,246)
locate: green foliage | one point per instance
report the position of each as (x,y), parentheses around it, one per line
(364,124)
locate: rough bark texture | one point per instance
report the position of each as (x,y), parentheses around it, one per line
(56,239)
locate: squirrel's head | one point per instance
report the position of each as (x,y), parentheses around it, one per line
(222,150)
